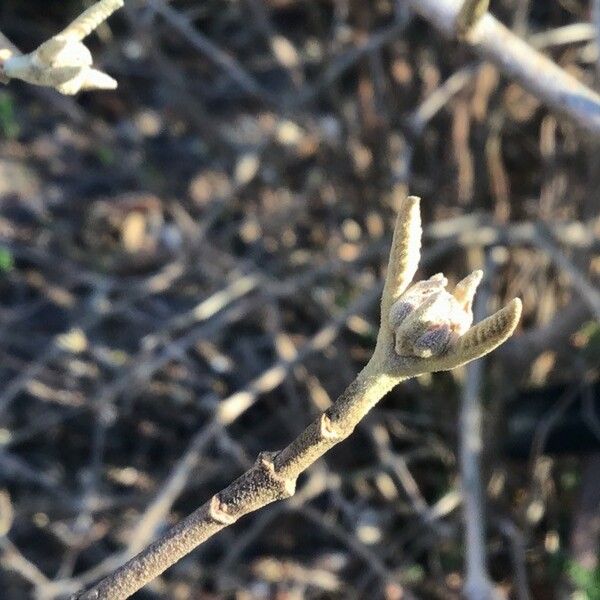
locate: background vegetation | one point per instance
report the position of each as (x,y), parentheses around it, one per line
(213,235)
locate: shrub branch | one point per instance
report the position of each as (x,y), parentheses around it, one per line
(63,62)
(274,474)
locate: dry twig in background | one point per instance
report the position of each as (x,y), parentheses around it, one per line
(320,168)
(515,58)
(478,584)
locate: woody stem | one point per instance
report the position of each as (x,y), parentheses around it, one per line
(273,477)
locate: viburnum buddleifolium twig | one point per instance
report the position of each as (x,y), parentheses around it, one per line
(63,62)
(424,328)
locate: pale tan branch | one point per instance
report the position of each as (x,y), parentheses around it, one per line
(6,44)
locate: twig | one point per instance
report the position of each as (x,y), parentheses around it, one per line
(439,98)
(12,558)
(63,62)
(229,410)
(478,585)
(220,58)
(518,558)
(562,36)
(517,60)
(318,482)
(409,343)
(517,355)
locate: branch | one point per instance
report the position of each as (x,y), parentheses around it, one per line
(222,59)
(425,321)
(478,585)
(514,57)
(63,62)
(7,49)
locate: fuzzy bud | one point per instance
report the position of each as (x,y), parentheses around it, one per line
(427,319)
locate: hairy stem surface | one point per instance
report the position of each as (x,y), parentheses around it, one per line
(272,477)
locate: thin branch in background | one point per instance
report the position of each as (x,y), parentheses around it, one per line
(343,62)
(227,412)
(282,49)
(63,62)
(518,61)
(12,559)
(518,557)
(230,65)
(439,98)
(596,26)
(478,585)
(563,36)
(10,556)
(7,49)
(422,329)
(519,353)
